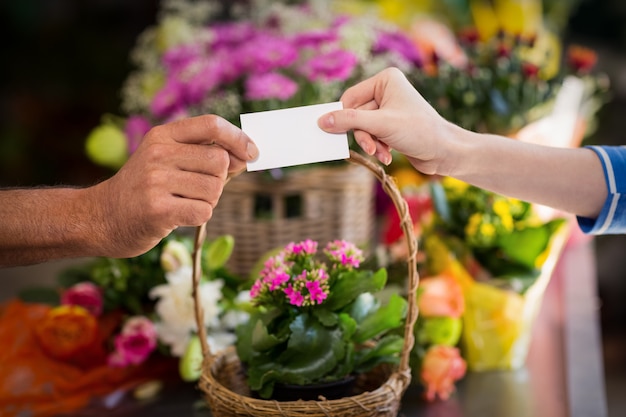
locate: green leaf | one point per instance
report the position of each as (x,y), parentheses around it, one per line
(362,306)
(311,353)
(325,316)
(218,252)
(352,284)
(384,319)
(244,339)
(261,339)
(347,325)
(386,350)
(525,246)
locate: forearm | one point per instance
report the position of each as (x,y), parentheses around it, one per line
(568,179)
(44,224)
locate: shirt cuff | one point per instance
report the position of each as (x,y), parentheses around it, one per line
(612,218)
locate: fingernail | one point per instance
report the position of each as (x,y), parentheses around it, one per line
(253,151)
(327,121)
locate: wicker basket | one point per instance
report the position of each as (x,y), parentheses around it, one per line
(322,203)
(379,392)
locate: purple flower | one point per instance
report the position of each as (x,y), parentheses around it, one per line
(397,42)
(269,86)
(179,57)
(227,35)
(266,53)
(168,99)
(336,65)
(200,84)
(135,129)
(314,38)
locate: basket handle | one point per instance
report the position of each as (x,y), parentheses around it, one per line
(390,187)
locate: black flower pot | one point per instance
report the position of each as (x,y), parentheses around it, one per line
(330,390)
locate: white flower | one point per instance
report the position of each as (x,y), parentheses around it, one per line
(234,317)
(219,341)
(176,311)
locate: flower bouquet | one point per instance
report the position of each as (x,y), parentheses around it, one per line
(115,324)
(205,57)
(485,261)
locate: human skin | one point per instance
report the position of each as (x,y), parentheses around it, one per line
(174,178)
(386,112)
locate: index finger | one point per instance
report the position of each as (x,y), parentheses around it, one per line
(211,129)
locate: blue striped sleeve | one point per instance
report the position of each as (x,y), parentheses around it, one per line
(612,219)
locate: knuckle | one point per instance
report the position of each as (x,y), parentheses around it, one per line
(212,122)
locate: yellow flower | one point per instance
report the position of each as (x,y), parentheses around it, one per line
(488,230)
(473,224)
(503,210)
(518,17)
(457,187)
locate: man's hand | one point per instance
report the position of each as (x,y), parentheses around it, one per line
(175,178)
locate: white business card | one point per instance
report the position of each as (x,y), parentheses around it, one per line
(290,137)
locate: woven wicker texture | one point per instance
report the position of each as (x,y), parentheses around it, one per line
(378,393)
(322,203)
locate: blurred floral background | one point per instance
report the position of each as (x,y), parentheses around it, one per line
(65,61)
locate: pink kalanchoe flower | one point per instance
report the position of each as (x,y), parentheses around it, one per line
(344,253)
(306,247)
(295,297)
(268,86)
(277,279)
(86,295)
(256,288)
(316,292)
(135,343)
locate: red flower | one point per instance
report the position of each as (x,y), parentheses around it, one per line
(530,70)
(469,36)
(581,59)
(86,295)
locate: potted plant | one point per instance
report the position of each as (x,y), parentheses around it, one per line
(316,320)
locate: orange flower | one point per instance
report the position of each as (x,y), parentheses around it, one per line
(441,368)
(67,330)
(440,296)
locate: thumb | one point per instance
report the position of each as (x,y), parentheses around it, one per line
(340,121)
